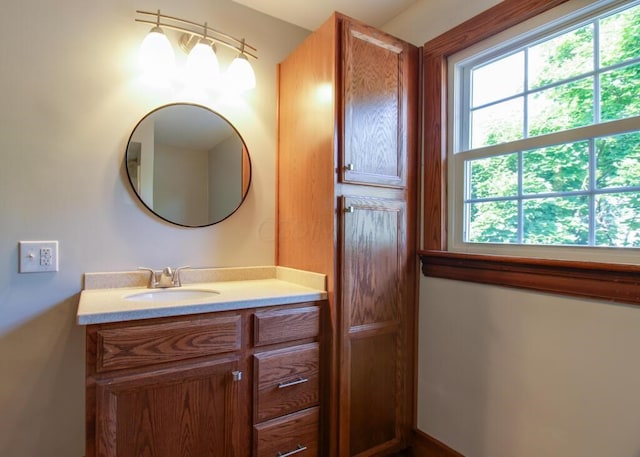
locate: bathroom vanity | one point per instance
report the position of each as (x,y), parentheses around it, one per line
(176,372)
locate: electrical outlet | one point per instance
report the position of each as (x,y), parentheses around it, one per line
(38,256)
(46,257)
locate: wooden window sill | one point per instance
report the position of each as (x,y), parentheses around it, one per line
(603,281)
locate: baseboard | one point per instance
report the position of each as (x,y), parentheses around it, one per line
(427,446)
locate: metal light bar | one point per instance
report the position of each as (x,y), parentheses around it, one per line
(192,29)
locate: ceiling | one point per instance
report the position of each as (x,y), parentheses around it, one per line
(311,14)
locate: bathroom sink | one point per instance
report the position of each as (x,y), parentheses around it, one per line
(164,295)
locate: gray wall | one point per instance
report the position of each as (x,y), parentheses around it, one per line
(71,98)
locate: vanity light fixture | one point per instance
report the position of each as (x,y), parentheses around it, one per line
(203,68)
(240,74)
(156,53)
(199,42)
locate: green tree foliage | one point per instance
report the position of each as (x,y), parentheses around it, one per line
(563,97)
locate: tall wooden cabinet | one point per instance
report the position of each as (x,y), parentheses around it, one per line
(346,207)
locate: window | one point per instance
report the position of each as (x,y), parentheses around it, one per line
(543,270)
(545,141)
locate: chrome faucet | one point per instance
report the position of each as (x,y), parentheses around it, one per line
(167,278)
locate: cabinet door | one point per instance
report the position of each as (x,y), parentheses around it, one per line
(376,79)
(373,299)
(185,411)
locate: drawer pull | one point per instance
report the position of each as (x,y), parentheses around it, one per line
(300,448)
(295,382)
(236,375)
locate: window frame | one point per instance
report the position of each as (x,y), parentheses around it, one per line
(574,278)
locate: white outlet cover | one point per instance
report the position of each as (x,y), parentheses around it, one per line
(29,255)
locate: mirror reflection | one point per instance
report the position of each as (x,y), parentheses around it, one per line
(188,165)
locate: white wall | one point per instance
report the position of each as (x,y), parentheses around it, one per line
(181,187)
(70,99)
(427,19)
(511,373)
(224,168)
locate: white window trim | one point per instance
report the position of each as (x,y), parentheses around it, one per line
(572,11)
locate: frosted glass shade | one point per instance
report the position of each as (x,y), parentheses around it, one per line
(240,74)
(156,53)
(202,65)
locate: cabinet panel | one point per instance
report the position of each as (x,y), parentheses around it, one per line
(374,301)
(295,434)
(374,252)
(374,107)
(287,380)
(167,413)
(147,344)
(277,326)
(374,418)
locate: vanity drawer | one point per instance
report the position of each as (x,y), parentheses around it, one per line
(286,380)
(279,325)
(295,434)
(149,344)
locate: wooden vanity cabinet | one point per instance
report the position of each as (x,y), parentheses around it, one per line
(347,207)
(185,386)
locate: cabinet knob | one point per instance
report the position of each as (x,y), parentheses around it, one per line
(349,167)
(300,448)
(349,209)
(237,375)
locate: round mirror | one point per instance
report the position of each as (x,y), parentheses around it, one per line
(188,165)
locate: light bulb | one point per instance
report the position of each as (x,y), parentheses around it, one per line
(202,65)
(156,55)
(240,74)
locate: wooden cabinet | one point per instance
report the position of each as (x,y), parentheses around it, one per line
(287,380)
(347,193)
(287,383)
(289,432)
(196,385)
(374,294)
(166,387)
(374,106)
(180,411)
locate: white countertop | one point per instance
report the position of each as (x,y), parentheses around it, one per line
(103,300)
